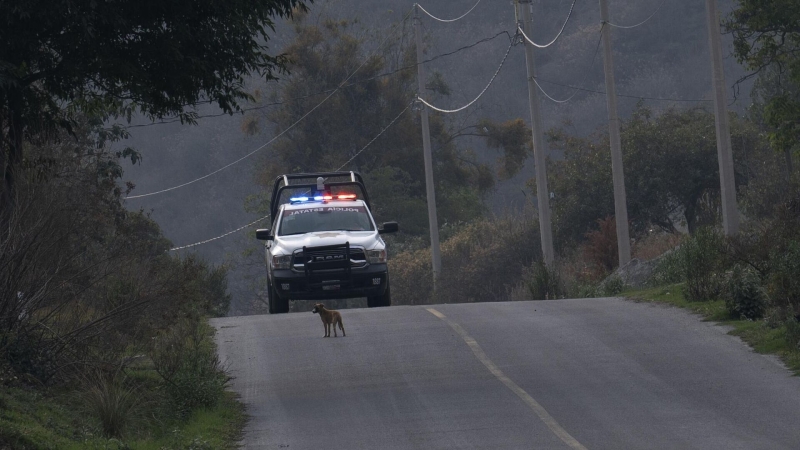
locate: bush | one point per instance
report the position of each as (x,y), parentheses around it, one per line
(111,400)
(481,261)
(612,286)
(544,283)
(793,333)
(784,279)
(702,258)
(744,295)
(668,269)
(186,359)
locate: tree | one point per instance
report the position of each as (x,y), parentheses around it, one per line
(322,55)
(767,41)
(671,172)
(112,59)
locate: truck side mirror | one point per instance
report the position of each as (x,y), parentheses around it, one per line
(263,234)
(389,227)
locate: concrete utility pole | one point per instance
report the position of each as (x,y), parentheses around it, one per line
(617,171)
(730,212)
(433,222)
(542,193)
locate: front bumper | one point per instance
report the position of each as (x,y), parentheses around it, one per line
(366,282)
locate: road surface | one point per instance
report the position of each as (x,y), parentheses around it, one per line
(564,374)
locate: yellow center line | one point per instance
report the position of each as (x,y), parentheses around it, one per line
(530,401)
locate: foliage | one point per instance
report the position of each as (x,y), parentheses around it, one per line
(185,358)
(544,283)
(612,286)
(481,261)
(671,173)
(514,138)
(784,278)
(325,52)
(601,245)
(64,60)
(83,282)
(744,296)
(702,257)
(111,399)
(767,41)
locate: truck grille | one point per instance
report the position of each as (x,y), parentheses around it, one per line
(357,257)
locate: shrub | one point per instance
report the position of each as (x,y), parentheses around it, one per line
(668,269)
(601,245)
(702,258)
(612,286)
(784,279)
(481,261)
(544,283)
(186,359)
(744,295)
(111,400)
(793,333)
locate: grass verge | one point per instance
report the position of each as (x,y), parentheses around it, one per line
(33,419)
(756,333)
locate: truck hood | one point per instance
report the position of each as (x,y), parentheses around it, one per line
(370,240)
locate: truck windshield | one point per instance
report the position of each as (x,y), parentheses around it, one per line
(325,218)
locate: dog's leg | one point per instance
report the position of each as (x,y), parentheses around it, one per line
(333,325)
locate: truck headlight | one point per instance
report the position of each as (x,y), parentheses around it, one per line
(376,256)
(282,261)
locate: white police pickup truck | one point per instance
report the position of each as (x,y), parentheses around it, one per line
(324,243)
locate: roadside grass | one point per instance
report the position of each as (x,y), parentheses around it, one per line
(43,420)
(65,417)
(756,333)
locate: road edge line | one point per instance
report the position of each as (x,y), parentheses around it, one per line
(537,408)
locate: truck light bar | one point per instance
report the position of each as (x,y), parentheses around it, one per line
(325,197)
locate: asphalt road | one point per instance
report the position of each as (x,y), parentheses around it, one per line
(565,374)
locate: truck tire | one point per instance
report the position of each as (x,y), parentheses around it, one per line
(380,300)
(277,305)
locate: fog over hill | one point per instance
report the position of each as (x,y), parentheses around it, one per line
(667,57)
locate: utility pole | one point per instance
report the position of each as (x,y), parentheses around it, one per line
(617,170)
(433,223)
(730,212)
(542,193)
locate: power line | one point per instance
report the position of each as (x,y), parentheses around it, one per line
(585,74)
(519,30)
(220,236)
(447,20)
(447,111)
(266,217)
(388,35)
(642,22)
(376,137)
(326,91)
(627,96)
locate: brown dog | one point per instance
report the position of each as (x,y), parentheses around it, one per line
(329,318)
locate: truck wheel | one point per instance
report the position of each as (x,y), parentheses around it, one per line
(380,300)
(277,305)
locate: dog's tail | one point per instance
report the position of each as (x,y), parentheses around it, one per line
(341,327)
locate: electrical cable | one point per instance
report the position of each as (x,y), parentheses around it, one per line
(640,23)
(628,96)
(571,8)
(376,137)
(220,236)
(585,74)
(279,134)
(267,217)
(446,20)
(303,97)
(448,111)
